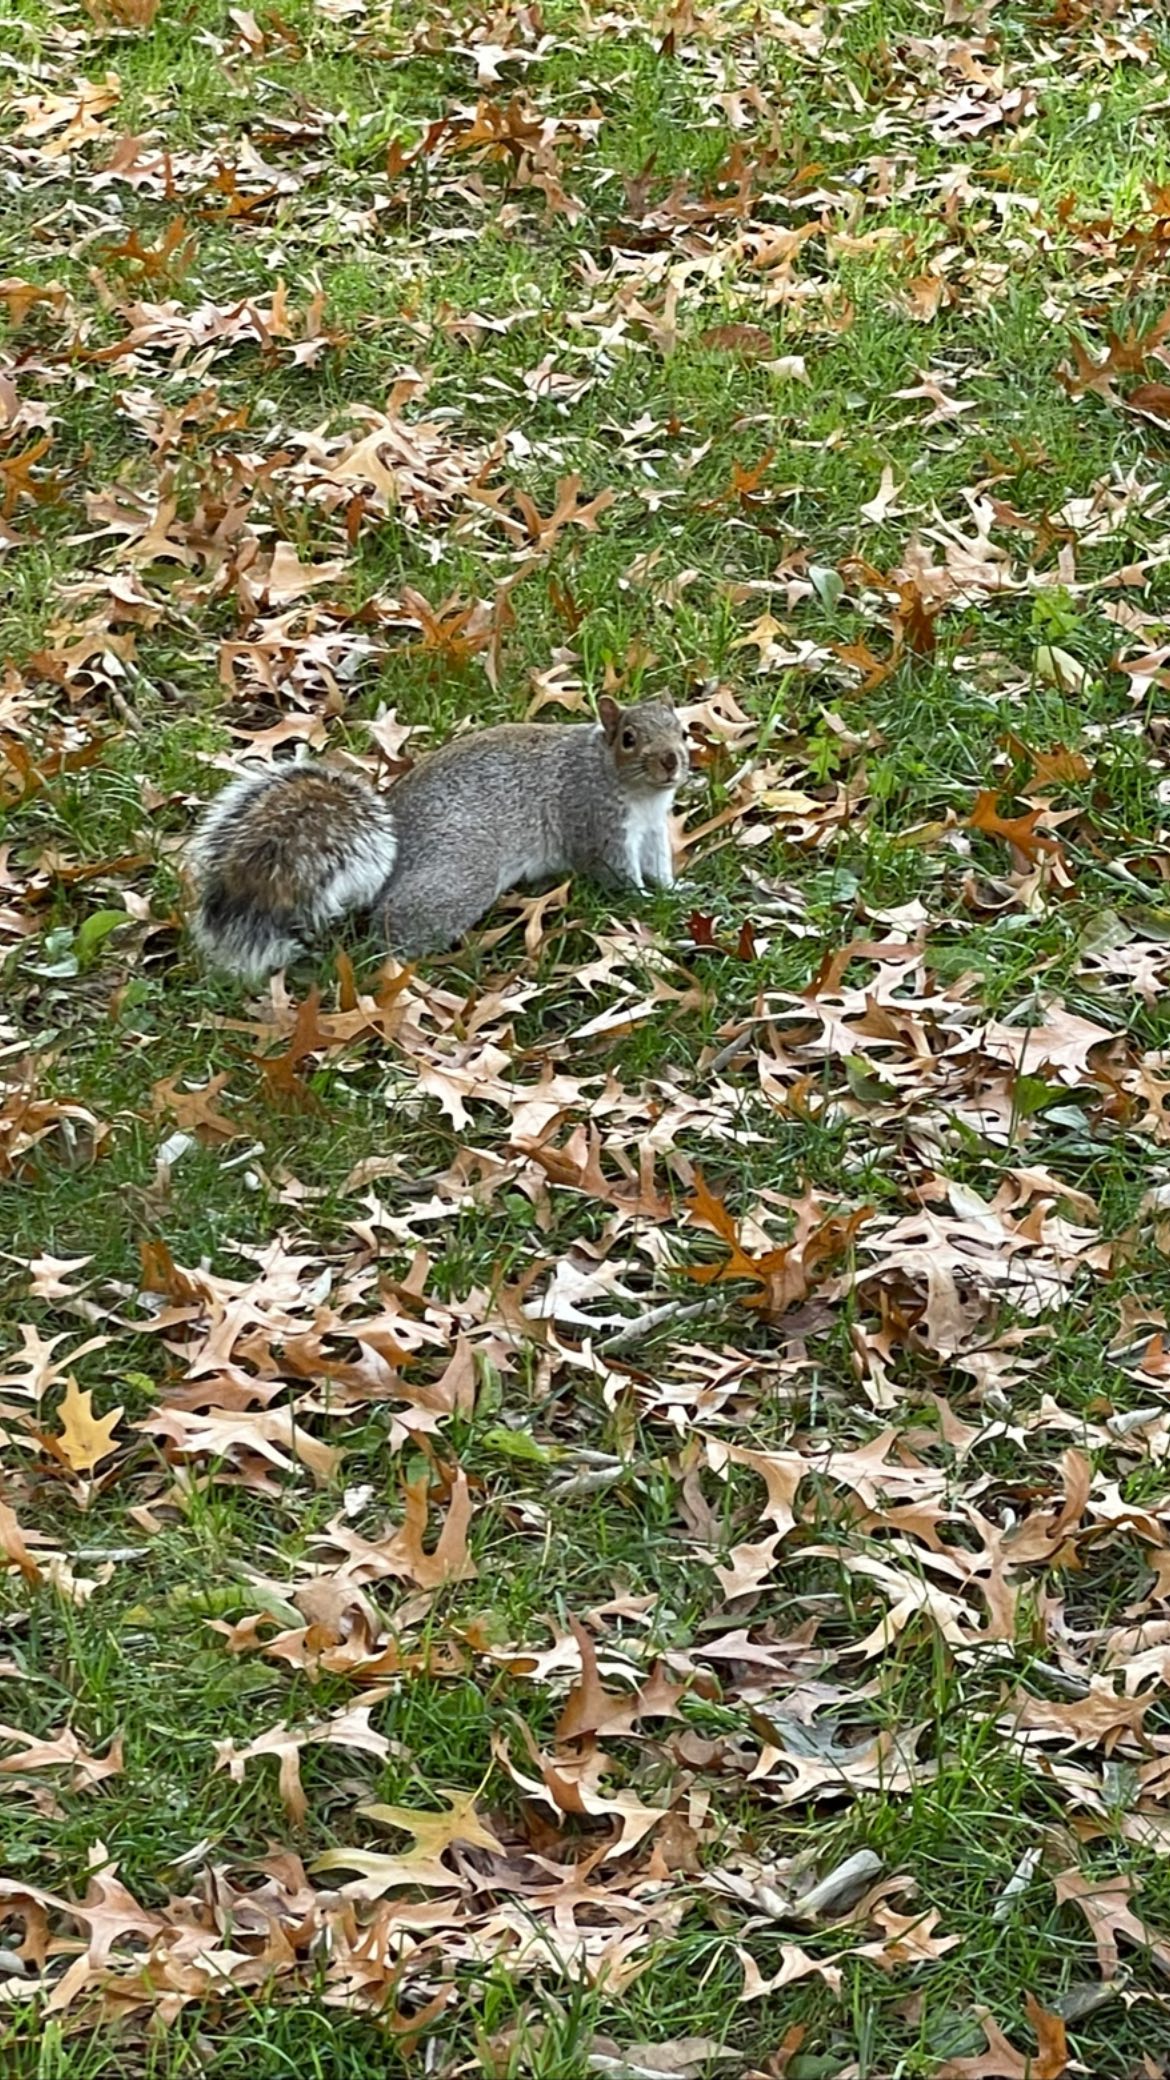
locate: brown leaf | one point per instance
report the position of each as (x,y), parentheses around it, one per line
(123,14)
(61,1749)
(749,340)
(195,1110)
(786,1275)
(576,1165)
(12,1545)
(1001,2060)
(572,1785)
(1058,767)
(109,1911)
(1104,1903)
(402,1553)
(922,298)
(1150,401)
(20,297)
(349,1728)
(241,1436)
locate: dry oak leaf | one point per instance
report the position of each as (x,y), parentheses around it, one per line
(1064,1044)
(124,14)
(748,1568)
(923,296)
(347,1729)
(1102,1718)
(84,1439)
(74,117)
(14,1547)
(543,533)
(781,1472)
(868,1472)
(1123,356)
(221,1433)
(1001,2060)
(1057,767)
(402,1553)
(785,1275)
(32,1906)
(1019,832)
(884,501)
(1104,1903)
(577,1167)
(50,1277)
(61,1749)
(884,1763)
(909,1595)
(286,578)
(1150,401)
(570,1785)
(795,1964)
(591,1709)
(19,298)
(42,1369)
(749,340)
(674,2058)
(110,1911)
(422,1864)
(194,1110)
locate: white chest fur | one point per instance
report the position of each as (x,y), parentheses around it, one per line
(648,847)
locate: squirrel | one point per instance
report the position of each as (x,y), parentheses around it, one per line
(280,856)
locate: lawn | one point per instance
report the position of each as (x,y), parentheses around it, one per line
(599,1504)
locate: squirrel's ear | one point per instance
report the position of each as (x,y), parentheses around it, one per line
(609,715)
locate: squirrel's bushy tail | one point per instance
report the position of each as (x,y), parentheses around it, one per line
(280,855)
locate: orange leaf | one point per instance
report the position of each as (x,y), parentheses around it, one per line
(1019,831)
(195,1111)
(749,340)
(13,1547)
(705,1207)
(1059,767)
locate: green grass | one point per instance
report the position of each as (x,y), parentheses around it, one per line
(553,340)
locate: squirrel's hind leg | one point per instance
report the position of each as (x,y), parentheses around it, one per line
(420,915)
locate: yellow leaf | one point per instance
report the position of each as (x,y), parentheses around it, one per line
(1059,669)
(422,1864)
(789,801)
(434,1832)
(85,1438)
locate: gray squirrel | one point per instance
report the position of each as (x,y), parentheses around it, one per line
(280,856)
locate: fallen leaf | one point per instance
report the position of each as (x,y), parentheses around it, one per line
(84,1439)
(422,1864)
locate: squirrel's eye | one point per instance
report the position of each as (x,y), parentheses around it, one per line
(627,739)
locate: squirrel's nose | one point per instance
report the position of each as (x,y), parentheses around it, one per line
(670,764)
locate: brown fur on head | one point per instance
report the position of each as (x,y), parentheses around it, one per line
(646,740)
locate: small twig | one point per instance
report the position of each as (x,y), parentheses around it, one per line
(89,1554)
(851,1876)
(728,1054)
(593,1482)
(743,1038)
(1073,1686)
(1019,1881)
(654,1318)
(129,714)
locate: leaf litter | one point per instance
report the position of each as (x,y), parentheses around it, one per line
(846,1378)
